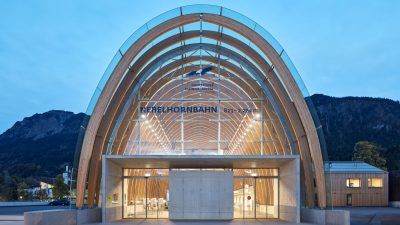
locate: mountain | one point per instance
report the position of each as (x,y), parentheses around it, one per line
(348,120)
(41,145)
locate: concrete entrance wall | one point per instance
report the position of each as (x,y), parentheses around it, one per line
(201,195)
(289,191)
(111,191)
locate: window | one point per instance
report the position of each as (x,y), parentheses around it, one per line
(353,182)
(375,182)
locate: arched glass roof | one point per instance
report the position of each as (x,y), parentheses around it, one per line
(185,60)
(201,9)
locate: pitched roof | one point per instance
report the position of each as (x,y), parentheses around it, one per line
(350,167)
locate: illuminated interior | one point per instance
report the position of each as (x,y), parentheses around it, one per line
(200,80)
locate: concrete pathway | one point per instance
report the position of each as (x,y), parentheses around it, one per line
(11,220)
(14,215)
(194,222)
(373,215)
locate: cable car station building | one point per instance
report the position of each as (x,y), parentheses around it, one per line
(201,115)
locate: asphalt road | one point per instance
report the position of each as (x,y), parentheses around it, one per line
(19,210)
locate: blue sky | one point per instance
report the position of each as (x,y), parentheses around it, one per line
(53,53)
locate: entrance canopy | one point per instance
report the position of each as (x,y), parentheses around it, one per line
(203,81)
(200,187)
(200,161)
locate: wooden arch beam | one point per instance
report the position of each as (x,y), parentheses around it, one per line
(274,57)
(211,59)
(286,104)
(176,64)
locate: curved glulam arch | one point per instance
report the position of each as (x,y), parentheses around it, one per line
(286,97)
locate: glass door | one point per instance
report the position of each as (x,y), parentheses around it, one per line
(238,196)
(152,197)
(262,201)
(249,198)
(134,198)
(255,197)
(163,198)
(146,197)
(267,198)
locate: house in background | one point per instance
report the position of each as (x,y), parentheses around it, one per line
(48,188)
(43,191)
(357,184)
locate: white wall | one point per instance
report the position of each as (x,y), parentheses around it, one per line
(201,195)
(289,187)
(111,185)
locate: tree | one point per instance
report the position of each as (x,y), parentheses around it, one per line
(60,189)
(8,187)
(370,153)
(392,156)
(23,193)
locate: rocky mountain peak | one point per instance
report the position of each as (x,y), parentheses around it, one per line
(42,125)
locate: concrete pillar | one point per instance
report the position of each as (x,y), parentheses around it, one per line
(111,191)
(201,195)
(289,187)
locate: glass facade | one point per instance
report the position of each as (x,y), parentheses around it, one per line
(146,193)
(256,194)
(203,113)
(200,89)
(218,88)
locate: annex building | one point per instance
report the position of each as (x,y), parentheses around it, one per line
(358,184)
(201,115)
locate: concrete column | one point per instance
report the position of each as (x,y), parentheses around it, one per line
(111,191)
(201,195)
(289,195)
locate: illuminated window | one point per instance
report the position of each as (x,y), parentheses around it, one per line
(375,182)
(353,182)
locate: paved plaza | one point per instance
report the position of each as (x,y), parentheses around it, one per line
(358,216)
(169,222)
